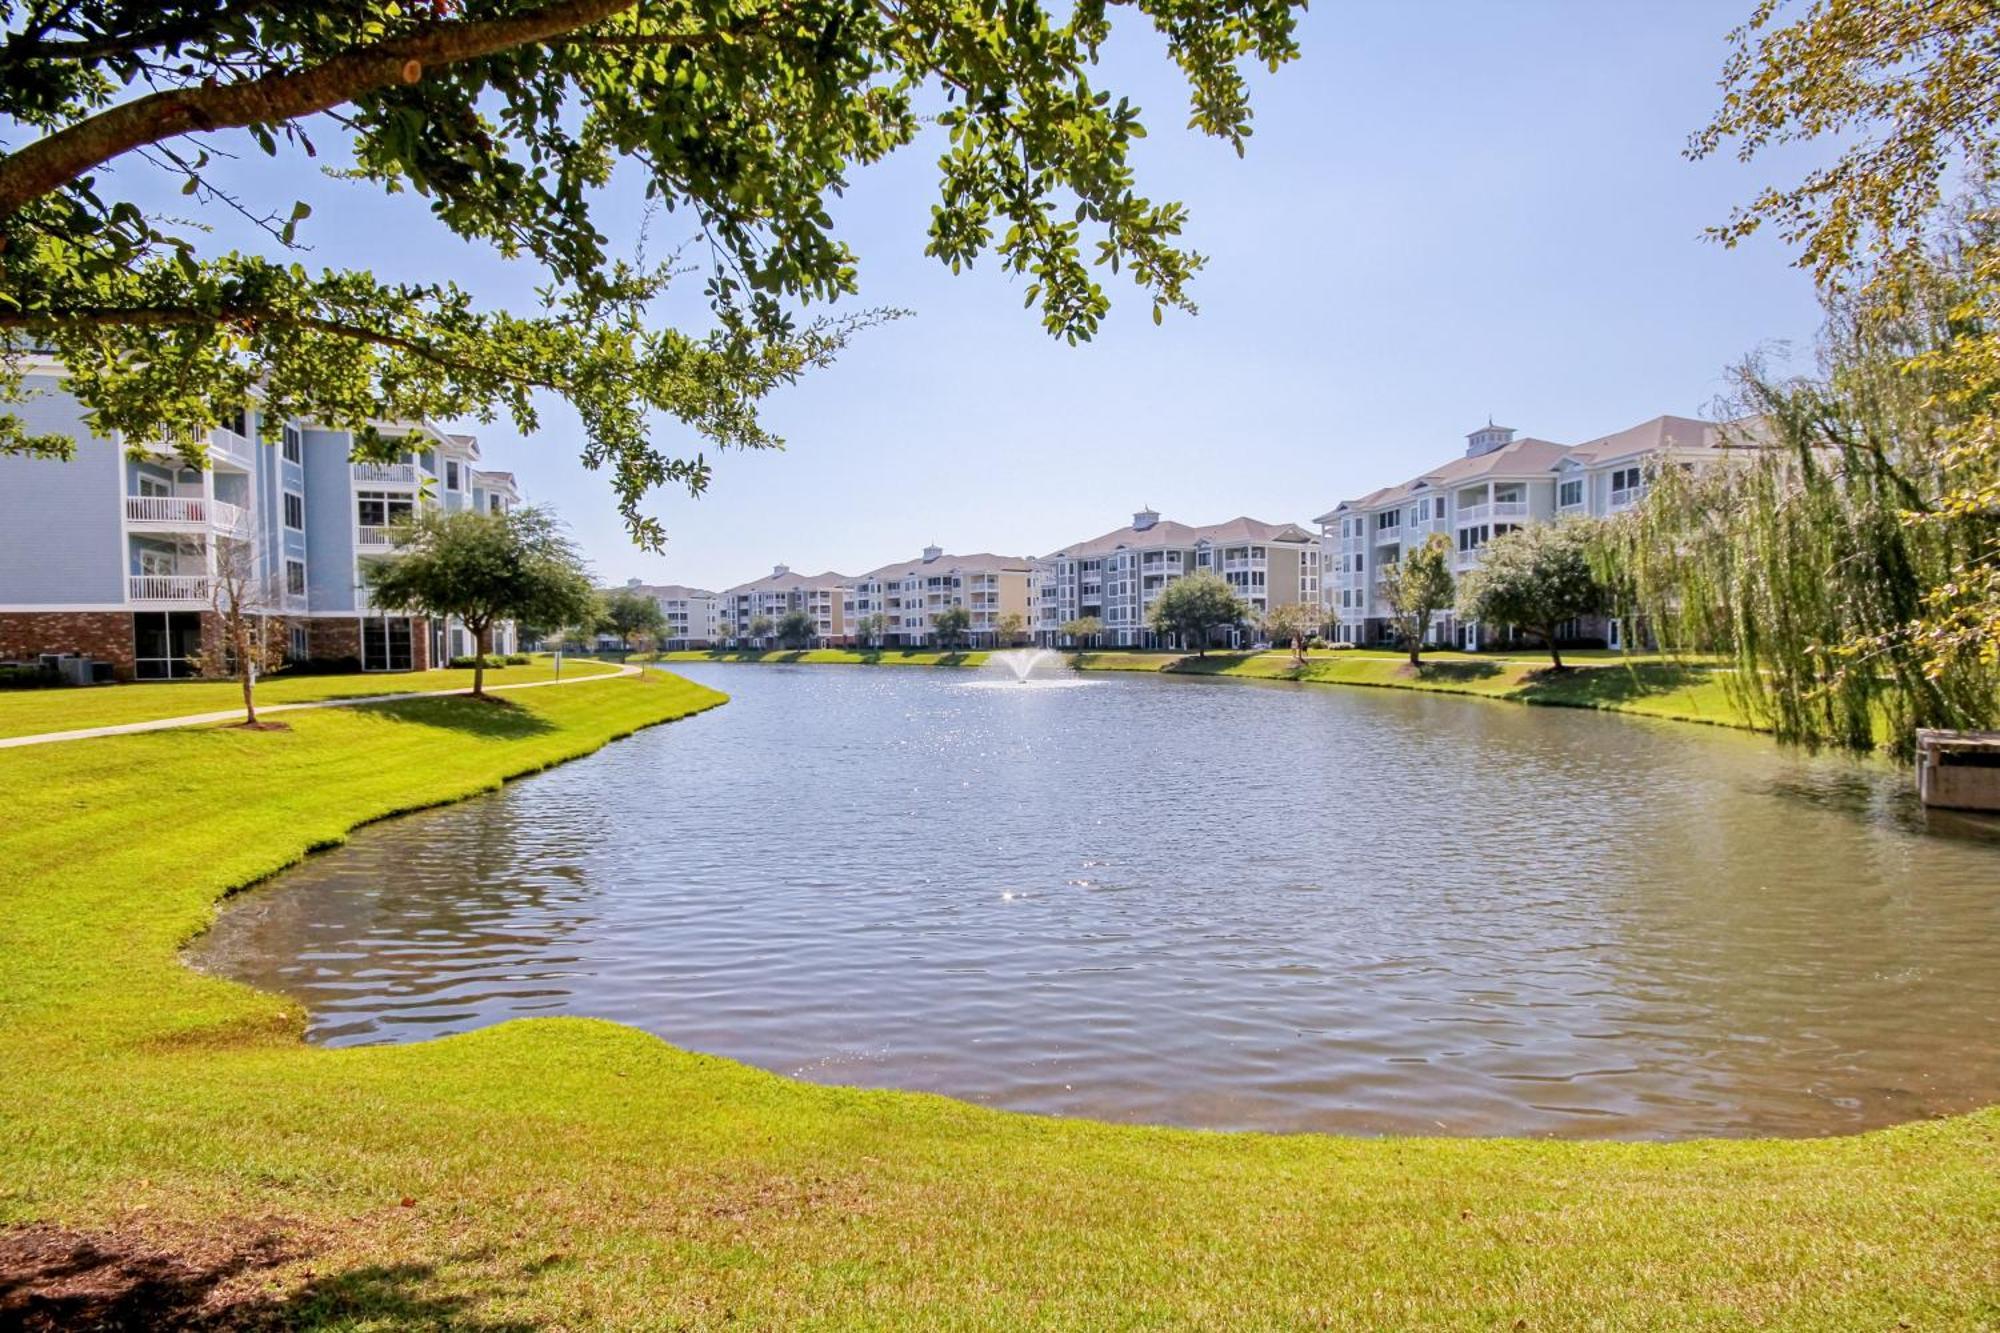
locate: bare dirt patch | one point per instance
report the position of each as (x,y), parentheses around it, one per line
(58,1278)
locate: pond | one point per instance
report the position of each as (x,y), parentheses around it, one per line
(1191,902)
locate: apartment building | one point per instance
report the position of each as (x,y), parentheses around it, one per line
(910,594)
(690,613)
(1118,576)
(826,597)
(113,553)
(1496,485)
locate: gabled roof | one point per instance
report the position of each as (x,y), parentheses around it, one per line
(677,592)
(1660,435)
(1166,532)
(980,562)
(787,582)
(1525,458)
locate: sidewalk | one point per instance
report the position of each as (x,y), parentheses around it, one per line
(236,714)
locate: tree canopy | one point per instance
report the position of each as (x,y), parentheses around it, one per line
(629,614)
(950,625)
(795,629)
(1534,578)
(1192,607)
(742,118)
(1416,588)
(483,568)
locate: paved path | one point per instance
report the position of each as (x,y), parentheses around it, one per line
(236,714)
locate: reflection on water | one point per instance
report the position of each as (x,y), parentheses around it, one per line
(1194,902)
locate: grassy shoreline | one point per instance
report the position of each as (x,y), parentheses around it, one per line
(570,1172)
(1647,686)
(827,656)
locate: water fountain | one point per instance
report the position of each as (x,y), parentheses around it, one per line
(1023,661)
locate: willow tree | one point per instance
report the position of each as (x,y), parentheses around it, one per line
(1814,555)
(512,117)
(1906,94)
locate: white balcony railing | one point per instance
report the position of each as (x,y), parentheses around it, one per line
(368,534)
(230,447)
(1474,513)
(1626,498)
(391,473)
(168,588)
(188,511)
(1510,509)
(1392,533)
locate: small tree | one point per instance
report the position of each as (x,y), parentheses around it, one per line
(1534,577)
(1194,607)
(1294,623)
(795,629)
(872,628)
(485,568)
(630,614)
(244,603)
(1416,588)
(759,630)
(1082,628)
(1011,627)
(950,625)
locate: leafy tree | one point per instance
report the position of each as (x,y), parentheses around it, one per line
(630,614)
(1011,627)
(871,627)
(795,629)
(760,630)
(246,634)
(1083,630)
(484,568)
(949,626)
(1416,588)
(1534,578)
(1191,608)
(1294,623)
(512,117)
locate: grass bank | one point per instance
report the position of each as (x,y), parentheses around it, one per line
(26,712)
(831,656)
(1651,686)
(575,1174)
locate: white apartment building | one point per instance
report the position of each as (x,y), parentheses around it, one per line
(690,613)
(825,597)
(113,553)
(1498,484)
(1117,577)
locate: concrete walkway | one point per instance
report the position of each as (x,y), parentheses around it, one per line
(236,714)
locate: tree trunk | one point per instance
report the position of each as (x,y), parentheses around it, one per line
(1555,653)
(479,661)
(245,669)
(1416,653)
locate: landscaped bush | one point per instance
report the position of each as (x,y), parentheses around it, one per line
(493,660)
(27,676)
(517,659)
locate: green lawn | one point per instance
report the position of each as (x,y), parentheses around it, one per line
(831,656)
(1648,685)
(25,712)
(575,1174)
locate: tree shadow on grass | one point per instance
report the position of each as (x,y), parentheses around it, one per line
(1454,673)
(498,719)
(1610,685)
(54,1278)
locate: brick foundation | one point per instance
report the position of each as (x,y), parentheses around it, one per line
(104,635)
(332,637)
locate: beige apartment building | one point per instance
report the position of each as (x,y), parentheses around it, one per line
(909,594)
(824,597)
(1118,576)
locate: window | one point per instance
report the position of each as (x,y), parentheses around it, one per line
(379,509)
(1570,493)
(163,641)
(155,562)
(154,486)
(295,578)
(237,421)
(1472,538)
(292,444)
(451,474)
(385,644)
(1386,519)
(299,647)
(1625,479)
(295,510)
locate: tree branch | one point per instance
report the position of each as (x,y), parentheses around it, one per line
(24,48)
(56,159)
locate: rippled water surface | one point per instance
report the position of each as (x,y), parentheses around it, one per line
(1193,902)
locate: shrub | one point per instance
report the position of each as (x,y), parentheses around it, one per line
(468,661)
(518,659)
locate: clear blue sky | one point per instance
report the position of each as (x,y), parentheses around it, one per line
(1448,210)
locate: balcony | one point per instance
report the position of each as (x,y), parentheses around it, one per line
(1392,533)
(392,474)
(371,535)
(1627,497)
(187,511)
(229,447)
(1509,508)
(167,588)
(1474,513)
